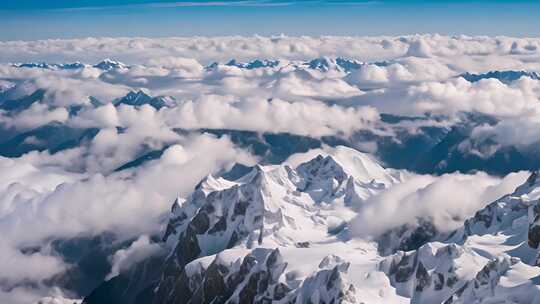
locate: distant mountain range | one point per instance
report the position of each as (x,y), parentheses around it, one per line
(435,150)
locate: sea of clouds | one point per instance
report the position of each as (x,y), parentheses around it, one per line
(76,192)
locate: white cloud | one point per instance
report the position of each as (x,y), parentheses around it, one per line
(521,132)
(17,267)
(488,96)
(33,117)
(418,78)
(139,250)
(179,67)
(104,116)
(63,87)
(307,118)
(126,204)
(39,192)
(447,200)
(401,72)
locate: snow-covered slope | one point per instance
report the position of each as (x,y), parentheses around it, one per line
(493,258)
(294,209)
(280,234)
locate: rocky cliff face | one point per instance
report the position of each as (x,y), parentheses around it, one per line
(261,276)
(433,272)
(408,237)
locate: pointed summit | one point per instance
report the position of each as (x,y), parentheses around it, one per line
(255,64)
(140,98)
(109,64)
(326,64)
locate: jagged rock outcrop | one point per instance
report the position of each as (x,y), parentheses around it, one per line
(327,285)
(503,76)
(502,213)
(486,286)
(533,234)
(408,237)
(438,273)
(260,276)
(431,273)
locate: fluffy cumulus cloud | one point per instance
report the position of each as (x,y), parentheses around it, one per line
(456,95)
(139,250)
(125,199)
(35,116)
(40,192)
(306,118)
(179,67)
(447,201)
(408,70)
(201,48)
(521,132)
(488,96)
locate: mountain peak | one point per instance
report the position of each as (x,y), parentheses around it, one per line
(140,97)
(109,64)
(254,64)
(51,66)
(503,76)
(326,64)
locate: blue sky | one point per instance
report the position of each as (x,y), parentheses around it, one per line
(41,19)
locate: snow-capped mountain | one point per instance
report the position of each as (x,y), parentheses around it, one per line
(105,65)
(261,275)
(219,233)
(255,64)
(338,63)
(323,64)
(503,76)
(140,98)
(281,234)
(275,206)
(51,66)
(109,64)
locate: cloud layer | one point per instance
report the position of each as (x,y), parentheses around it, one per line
(63,205)
(446,201)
